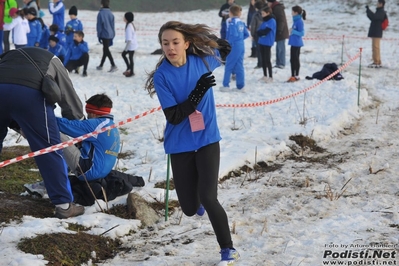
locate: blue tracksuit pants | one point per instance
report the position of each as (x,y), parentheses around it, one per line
(36,118)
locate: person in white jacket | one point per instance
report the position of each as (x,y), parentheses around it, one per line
(131,44)
(20,27)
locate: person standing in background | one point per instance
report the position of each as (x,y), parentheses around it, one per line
(106,33)
(236,33)
(251,13)
(296,33)
(267,35)
(131,44)
(255,24)
(281,31)
(31,3)
(35,34)
(73,25)
(20,27)
(375,31)
(224,14)
(8,4)
(57,9)
(2,8)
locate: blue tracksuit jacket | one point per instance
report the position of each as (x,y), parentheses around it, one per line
(98,153)
(35,34)
(58,12)
(44,40)
(58,50)
(70,27)
(75,51)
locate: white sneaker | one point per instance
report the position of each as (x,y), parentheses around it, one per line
(113,69)
(266,79)
(36,189)
(225,89)
(269,80)
(242,90)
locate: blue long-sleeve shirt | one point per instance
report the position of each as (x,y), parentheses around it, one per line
(298,31)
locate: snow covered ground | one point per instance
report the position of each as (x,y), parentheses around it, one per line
(296,215)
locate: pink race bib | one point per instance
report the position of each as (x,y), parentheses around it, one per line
(196,121)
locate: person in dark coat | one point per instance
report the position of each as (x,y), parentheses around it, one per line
(23,103)
(255,24)
(224,14)
(282,31)
(375,31)
(251,13)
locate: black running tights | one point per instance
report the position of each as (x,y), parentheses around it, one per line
(195,176)
(106,52)
(129,63)
(265,51)
(295,63)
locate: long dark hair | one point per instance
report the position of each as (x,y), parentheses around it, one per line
(300,11)
(202,43)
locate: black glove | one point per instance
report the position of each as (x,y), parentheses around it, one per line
(206,81)
(367,7)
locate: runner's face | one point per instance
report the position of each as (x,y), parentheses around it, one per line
(174,47)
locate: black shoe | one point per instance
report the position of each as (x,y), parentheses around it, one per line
(84,74)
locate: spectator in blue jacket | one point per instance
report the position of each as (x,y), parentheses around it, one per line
(236,33)
(105,33)
(56,48)
(54,30)
(35,34)
(296,33)
(57,9)
(97,155)
(77,54)
(73,25)
(44,42)
(267,35)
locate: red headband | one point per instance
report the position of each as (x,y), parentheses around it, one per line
(97,110)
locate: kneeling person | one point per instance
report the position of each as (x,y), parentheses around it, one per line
(78,54)
(98,154)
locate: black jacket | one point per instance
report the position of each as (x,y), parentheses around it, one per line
(375,30)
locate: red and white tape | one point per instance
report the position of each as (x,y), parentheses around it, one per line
(79,139)
(75,140)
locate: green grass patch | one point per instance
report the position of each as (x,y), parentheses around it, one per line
(14,176)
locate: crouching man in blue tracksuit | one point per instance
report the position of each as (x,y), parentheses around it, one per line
(22,101)
(97,155)
(77,54)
